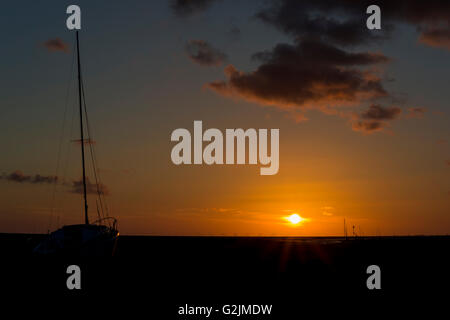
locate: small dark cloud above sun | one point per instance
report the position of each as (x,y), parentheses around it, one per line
(305,76)
(375,118)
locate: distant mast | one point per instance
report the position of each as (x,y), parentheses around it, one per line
(345,230)
(86,219)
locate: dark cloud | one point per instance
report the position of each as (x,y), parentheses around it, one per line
(343,22)
(76,185)
(185,8)
(318,20)
(56,45)
(431,19)
(308,75)
(91,188)
(203,53)
(326,66)
(377,112)
(375,118)
(317,53)
(416,12)
(20,177)
(439,38)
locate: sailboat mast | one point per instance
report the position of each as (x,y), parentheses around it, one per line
(86,219)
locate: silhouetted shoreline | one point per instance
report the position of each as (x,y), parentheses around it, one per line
(241,269)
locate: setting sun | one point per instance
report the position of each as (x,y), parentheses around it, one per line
(294,218)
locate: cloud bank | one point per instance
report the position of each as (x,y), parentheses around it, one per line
(326,67)
(308,75)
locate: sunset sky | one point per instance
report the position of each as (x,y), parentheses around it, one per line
(363,115)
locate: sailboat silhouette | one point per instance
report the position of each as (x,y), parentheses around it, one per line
(97,238)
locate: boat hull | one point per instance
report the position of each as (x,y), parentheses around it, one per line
(80,240)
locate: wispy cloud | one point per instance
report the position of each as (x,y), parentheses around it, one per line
(76,186)
(439,38)
(19,177)
(56,45)
(416,112)
(91,188)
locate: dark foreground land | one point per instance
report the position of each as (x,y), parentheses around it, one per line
(162,273)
